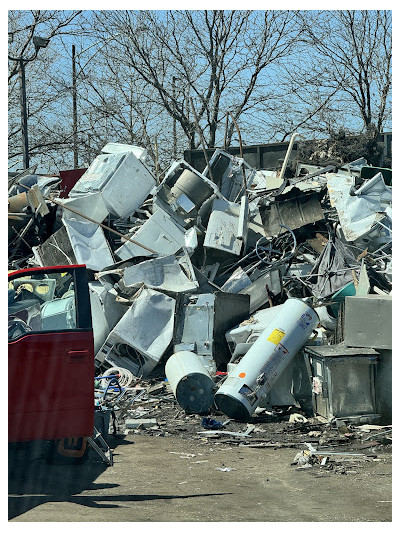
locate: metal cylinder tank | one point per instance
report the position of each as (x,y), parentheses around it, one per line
(190,382)
(252,378)
(193,186)
(59,314)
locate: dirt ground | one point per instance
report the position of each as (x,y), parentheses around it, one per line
(173,479)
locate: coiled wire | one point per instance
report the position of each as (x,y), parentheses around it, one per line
(126,377)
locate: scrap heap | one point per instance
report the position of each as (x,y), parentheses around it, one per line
(244,288)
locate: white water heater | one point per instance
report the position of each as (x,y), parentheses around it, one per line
(253,377)
(192,385)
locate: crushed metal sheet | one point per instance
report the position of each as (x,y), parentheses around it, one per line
(163,273)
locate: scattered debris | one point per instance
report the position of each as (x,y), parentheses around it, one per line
(297,417)
(213,433)
(209,423)
(140,423)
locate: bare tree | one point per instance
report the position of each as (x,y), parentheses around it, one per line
(352,54)
(44,100)
(214,57)
(137,73)
(115,102)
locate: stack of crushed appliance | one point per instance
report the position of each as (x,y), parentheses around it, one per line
(240,287)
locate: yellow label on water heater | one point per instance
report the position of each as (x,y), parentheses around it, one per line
(276,336)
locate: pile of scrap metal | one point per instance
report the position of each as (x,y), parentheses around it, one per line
(232,271)
(30,217)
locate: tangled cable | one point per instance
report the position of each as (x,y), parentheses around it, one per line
(126,376)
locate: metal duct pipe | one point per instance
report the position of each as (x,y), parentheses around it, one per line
(289,151)
(17,202)
(248,384)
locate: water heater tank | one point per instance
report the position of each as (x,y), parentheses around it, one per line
(190,382)
(253,377)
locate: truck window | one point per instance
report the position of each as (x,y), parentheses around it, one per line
(41,302)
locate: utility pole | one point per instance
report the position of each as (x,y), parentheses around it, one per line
(39,42)
(156,159)
(24,114)
(174,149)
(74,109)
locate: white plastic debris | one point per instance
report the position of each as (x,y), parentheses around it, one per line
(91,205)
(119,148)
(297,418)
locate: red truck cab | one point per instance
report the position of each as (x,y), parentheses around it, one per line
(50,354)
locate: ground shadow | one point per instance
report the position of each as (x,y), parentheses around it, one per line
(31,479)
(32,482)
(25,503)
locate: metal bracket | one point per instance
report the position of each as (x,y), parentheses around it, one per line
(105,452)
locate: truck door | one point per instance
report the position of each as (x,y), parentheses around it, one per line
(50,354)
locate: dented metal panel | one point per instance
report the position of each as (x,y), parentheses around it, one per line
(163,273)
(159,233)
(226,231)
(142,335)
(89,243)
(360,211)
